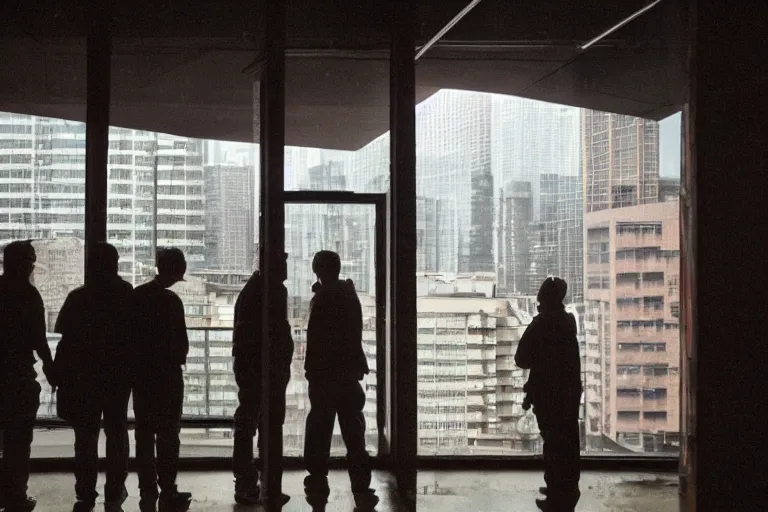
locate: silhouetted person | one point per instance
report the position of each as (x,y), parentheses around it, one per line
(335,364)
(22,332)
(550,350)
(93,378)
(246,350)
(161,345)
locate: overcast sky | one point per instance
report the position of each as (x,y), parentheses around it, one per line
(669,146)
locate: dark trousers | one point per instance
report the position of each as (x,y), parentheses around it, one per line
(248,415)
(113,405)
(19,401)
(329,398)
(157,405)
(561,463)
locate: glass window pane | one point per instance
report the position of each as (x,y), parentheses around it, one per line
(322,152)
(42,168)
(348,230)
(510,192)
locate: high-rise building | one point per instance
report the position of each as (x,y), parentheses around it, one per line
(538,143)
(560,229)
(229,219)
(620,160)
(633,306)
(155,181)
(531,138)
(515,215)
(453,147)
(156,199)
(470,390)
(42,178)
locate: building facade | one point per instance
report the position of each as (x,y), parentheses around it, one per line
(453,151)
(633,306)
(470,390)
(620,160)
(229,218)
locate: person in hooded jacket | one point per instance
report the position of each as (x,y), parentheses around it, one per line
(335,364)
(550,350)
(93,378)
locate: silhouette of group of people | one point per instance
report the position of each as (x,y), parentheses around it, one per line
(117,341)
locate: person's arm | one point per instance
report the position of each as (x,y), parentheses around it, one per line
(356,320)
(37,331)
(180,342)
(524,354)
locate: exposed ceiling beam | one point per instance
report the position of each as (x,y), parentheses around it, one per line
(617,26)
(446,28)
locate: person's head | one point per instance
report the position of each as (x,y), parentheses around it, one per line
(552,292)
(327,266)
(171,265)
(102,260)
(19,259)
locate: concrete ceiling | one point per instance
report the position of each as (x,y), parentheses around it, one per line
(337,90)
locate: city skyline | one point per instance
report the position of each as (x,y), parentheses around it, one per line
(501,206)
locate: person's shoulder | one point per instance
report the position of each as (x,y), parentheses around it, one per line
(77,294)
(32,291)
(254,280)
(143,288)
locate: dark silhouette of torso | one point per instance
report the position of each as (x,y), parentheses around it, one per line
(335,332)
(159,333)
(22,327)
(550,349)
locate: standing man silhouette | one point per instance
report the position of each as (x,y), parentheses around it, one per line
(335,364)
(549,348)
(22,332)
(94,324)
(246,350)
(160,343)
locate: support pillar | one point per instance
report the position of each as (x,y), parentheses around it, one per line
(272,237)
(98,61)
(403,238)
(727,124)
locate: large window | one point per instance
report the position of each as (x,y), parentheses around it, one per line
(511,191)
(493,221)
(42,187)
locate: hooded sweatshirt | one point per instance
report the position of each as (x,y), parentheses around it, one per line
(549,348)
(335,333)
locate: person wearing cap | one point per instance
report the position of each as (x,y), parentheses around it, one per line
(159,346)
(22,333)
(94,324)
(246,350)
(550,350)
(334,365)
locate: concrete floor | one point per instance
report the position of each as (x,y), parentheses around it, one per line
(475,491)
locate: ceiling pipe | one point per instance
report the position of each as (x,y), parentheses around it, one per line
(620,24)
(446,28)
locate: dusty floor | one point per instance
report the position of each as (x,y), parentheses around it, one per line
(475,491)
